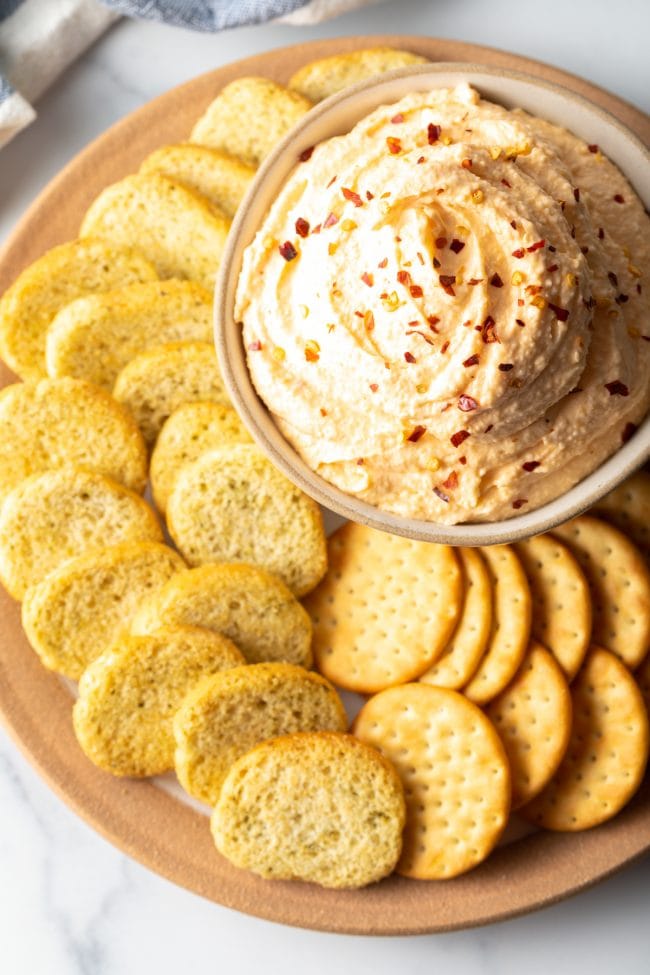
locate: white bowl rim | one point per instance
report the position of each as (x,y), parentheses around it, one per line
(232,358)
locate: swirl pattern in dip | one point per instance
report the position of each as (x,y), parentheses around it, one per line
(445,310)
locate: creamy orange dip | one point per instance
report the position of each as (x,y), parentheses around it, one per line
(445,309)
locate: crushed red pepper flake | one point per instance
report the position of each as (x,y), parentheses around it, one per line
(416,433)
(374,387)
(394,145)
(444,348)
(369,195)
(467,403)
(352,196)
(466,163)
(474,281)
(410,357)
(420,160)
(519,252)
(383,263)
(330,220)
(302,227)
(473,360)
(360,461)
(513,224)
(459,437)
(456,245)
(436,263)
(520,323)
(452,481)
(447,281)
(441,494)
(488,331)
(433,133)
(537,246)
(441,242)
(593,147)
(551,268)
(531,465)
(618,198)
(404,277)
(331,182)
(255,346)
(323,412)
(317,229)
(617,388)
(396,119)
(463,459)
(496,281)
(505,366)
(416,291)
(433,321)
(306,153)
(288,251)
(367,279)
(369,321)
(560,313)
(519,503)
(427,338)
(628,431)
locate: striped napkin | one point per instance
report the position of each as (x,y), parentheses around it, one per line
(39,38)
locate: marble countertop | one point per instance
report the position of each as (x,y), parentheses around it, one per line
(70,904)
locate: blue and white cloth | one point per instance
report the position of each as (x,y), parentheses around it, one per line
(39,38)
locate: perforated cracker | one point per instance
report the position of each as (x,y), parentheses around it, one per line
(510,625)
(619,581)
(628,507)
(385,609)
(454,771)
(562,614)
(608,749)
(463,653)
(533,719)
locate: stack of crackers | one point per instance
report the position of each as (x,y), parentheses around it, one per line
(492,679)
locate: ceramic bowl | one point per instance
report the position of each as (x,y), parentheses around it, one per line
(336,116)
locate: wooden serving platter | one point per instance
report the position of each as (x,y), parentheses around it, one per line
(152,824)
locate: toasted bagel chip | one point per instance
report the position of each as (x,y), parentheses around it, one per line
(320,807)
(97,336)
(157,381)
(317,80)
(123,718)
(52,517)
(179,231)
(221,178)
(75,613)
(62,274)
(249,117)
(232,505)
(226,715)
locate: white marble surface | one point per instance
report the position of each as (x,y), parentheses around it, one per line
(69,903)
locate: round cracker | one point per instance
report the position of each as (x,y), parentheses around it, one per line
(55,516)
(385,610)
(67,422)
(463,653)
(123,718)
(608,749)
(533,719)
(455,774)
(628,508)
(317,80)
(510,633)
(619,581)
(562,614)
(226,715)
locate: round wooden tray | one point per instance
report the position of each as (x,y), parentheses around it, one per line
(152,825)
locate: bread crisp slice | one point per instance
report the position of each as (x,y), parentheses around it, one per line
(62,274)
(226,715)
(177,229)
(123,718)
(96,336)
(191,430)
(158,380)
(320,807)
(232,505)
(52,517)
(320,79)
(60,422)
(249,117)
(75,613)
(250,606)
(221,178)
